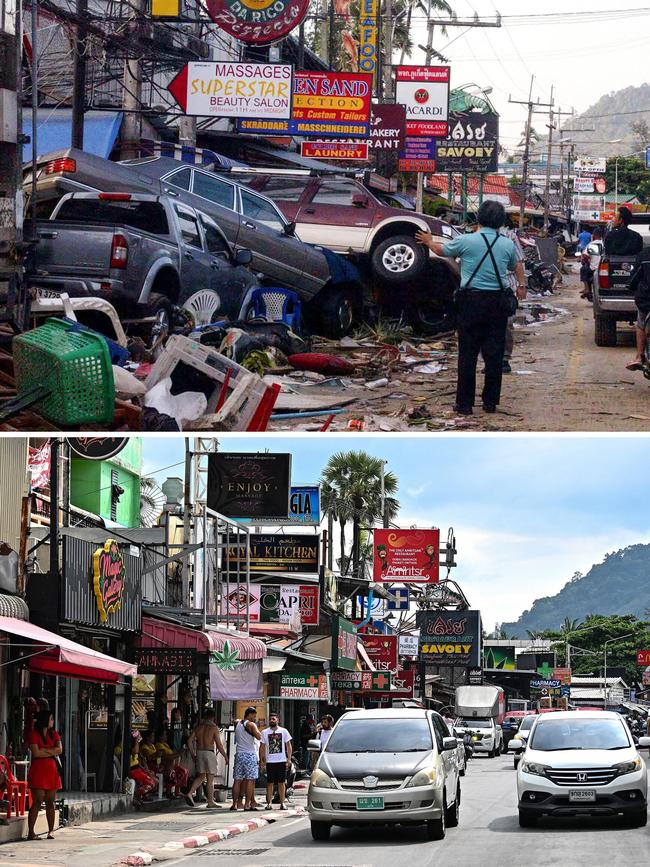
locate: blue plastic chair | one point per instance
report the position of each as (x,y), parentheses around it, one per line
(277,305)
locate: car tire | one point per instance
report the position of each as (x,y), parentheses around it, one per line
(437,828)
(452,813)
(398,260)
(638,819)
(604,330)
(160,307)
(516,762)
(336,313)
(526,820)
(321,830)
(463,769)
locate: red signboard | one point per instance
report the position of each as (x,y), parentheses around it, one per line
(408,556)
(643,657)
(323,150)
(563,675)
(424,90)
(403,686)
(309,602)
(257,22)
(335,97)
(382,651)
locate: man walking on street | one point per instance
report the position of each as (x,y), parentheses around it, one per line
(201,743)
(483,302)
(275,754)
(247,768)
(326,726)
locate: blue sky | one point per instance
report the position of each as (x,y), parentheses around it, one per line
(527,511)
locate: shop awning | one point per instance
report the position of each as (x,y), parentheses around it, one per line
(65,658)
(161,632)
(54,131)
(274,630)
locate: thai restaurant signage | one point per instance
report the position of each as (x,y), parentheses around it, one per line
(450,637)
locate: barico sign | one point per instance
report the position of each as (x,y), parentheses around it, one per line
(450,637)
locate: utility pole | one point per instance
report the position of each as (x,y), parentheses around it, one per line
(524,178)
(547,183)
(132,98)
(388,68)
(428,51)
(11,205)
(187,124)
(79,80)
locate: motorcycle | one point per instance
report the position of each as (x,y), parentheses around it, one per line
(540,278)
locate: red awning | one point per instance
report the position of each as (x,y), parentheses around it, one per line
(160,632)
(66,658)
(277,630)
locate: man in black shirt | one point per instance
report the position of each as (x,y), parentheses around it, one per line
(622,241)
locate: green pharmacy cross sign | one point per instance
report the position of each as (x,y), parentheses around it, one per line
(546,671)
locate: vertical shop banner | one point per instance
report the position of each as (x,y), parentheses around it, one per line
(249,485)
(368,21)
(38,464)
(408,556)
(424,90)
(344,644)
(233,679)
(382,651)
(450,637)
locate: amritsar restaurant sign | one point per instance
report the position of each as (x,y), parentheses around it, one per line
(271,553)
(406,556)
(249,485)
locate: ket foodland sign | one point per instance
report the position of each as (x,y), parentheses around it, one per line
(382,651)
(276,553)
(248,485)
(304,685)
(213,89)
(257,22)
(409,556)
(424,90)
(109,578)
(450,637)
(361,681)
(323,104)
(269,603)
(323,150)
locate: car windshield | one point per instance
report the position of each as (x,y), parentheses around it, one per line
(579,734)
(527,723)
(474,723)
(394,735)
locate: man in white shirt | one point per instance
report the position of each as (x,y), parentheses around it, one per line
(327,724)
(275,757)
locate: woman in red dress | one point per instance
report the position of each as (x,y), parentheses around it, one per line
(43,777)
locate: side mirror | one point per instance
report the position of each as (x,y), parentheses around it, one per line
(644,742)
(314,745)
(243,257)
(359,200)
(449,744)
(289,229)
(516,745)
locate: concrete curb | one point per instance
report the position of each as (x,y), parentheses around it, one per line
(144,857)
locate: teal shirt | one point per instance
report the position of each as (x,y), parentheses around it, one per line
(471,249)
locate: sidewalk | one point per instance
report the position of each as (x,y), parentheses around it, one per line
(142,838)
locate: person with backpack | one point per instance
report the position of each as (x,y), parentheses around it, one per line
(483,303)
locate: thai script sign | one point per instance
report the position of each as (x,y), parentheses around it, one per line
(450,637)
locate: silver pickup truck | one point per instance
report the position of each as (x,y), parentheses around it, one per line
(141,252)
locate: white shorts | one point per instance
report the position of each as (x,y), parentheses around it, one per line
(206,762)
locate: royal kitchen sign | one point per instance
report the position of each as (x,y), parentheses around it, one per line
(408,556)
(268,603)
(240,90)
(271,553)
(257,22)
(424,90)
(450,637)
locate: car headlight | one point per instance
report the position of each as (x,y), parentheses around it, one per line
(321,780)
(534,768)
(629,767)
(423,778)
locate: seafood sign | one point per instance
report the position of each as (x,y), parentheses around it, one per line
(234,89)
(408,556)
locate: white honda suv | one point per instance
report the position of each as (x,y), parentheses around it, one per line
(582,762)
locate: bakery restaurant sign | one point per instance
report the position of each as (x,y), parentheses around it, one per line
(109,578)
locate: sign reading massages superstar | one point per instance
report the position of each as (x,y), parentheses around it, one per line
(257,22)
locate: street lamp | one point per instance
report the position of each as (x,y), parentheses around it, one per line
(567,654)
(611,641)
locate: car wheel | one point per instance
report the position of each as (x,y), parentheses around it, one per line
(526,820)
(399,260)
(437,828)
(604,331)
(160,308)
(463,769)
(638,819)
(321,830)
(452,813)
(336,313)
(516,762)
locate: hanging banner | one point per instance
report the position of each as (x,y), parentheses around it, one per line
(322,150)
(473,142)
(344,644)
(424,90)
(304,685)
(450,637)
(409,556)
(249,485)
(232,679)
(368,19)
(257,22)
(382,651)
(38,464)
(211,89)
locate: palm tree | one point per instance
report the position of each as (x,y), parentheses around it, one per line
(534,634)
(569,625)
(352,481)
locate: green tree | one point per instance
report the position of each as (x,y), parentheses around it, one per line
(352,481)
(633,178)
(569,625)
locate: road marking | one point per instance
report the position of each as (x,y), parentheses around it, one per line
(295,822)
(577,352)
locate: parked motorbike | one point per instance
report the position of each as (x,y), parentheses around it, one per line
(540,278)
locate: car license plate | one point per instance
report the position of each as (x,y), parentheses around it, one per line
(374,803)
(582,795)
(43,292)
(620,273)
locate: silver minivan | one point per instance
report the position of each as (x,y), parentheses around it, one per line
(386,767)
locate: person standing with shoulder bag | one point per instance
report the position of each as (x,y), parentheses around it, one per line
(484,302)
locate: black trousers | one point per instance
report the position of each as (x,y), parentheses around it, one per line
(481,329)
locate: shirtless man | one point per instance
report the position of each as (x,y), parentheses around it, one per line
(201,743)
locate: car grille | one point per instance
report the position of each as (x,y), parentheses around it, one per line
(397,805)
(381,785)
(581,776)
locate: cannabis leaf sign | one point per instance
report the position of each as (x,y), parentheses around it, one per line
(227,659)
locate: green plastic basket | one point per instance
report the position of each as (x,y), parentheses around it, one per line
(76,368)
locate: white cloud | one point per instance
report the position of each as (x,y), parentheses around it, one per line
(416,492)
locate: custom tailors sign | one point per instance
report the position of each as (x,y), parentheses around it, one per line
(450,637)
(257,22)
(248,485)
(407,556)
